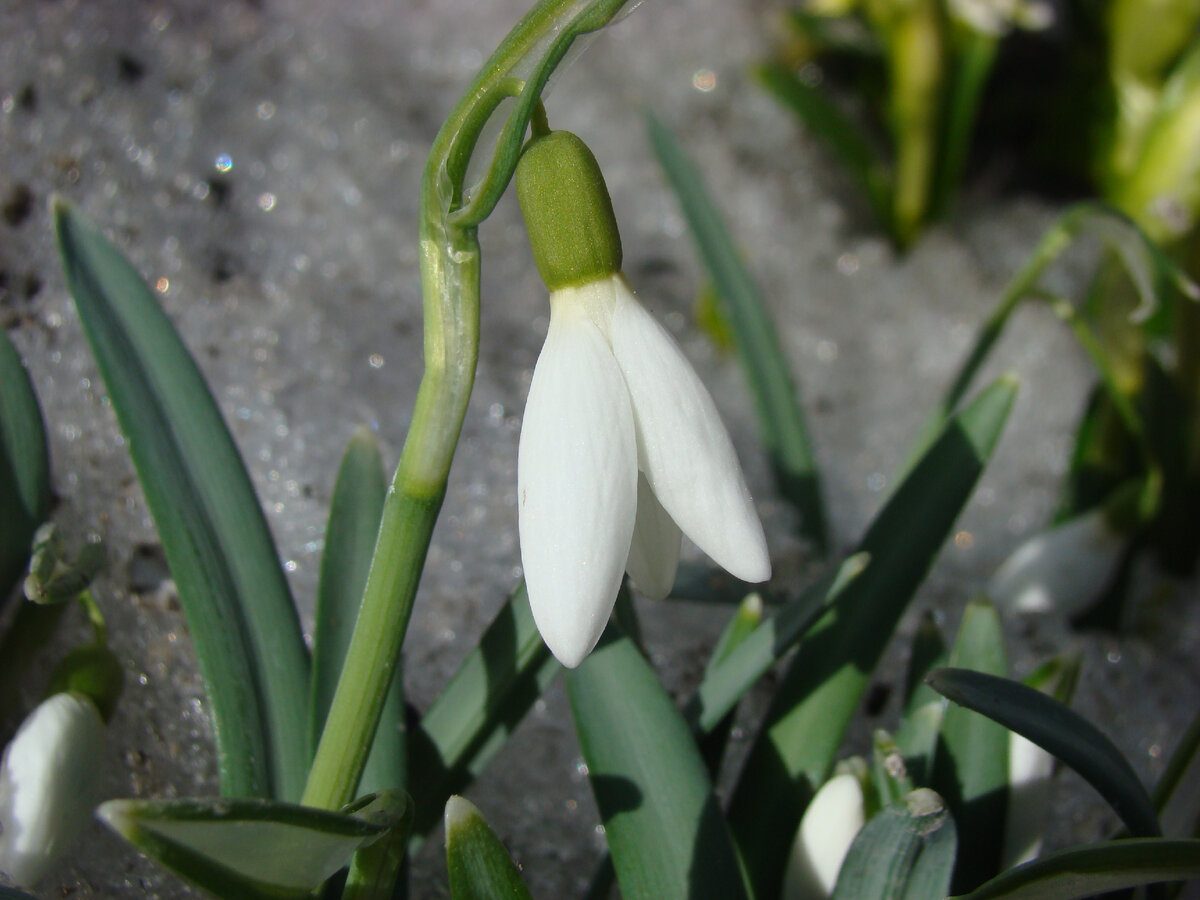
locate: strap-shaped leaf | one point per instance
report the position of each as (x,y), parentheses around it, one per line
(780,417)
(904,853)
(1095,869)
(354,515)
(495,686)
(663,823)
(233,591)
(734,673)
(1060,731)
(917,736)
(479,865)
(253,848)
(1177,794)
(24,466)
(822,687)
(971,765)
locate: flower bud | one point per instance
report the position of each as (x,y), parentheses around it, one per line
(568,213)
(47,783)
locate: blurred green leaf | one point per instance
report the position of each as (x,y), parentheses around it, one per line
(662,821)
(252,848)
(889,774)
(478,709)
(1095,869)
(780,417)
(234,594)
(1061,732)
(904,853)
(832,666)
(971,765)
(917,736)
(349,544)
(1177,794)
(24,467)
(479,865)
(840,135)
(971,64)
(728,678)
(7,893)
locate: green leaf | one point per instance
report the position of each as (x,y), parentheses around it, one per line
(1177,794)
(971,765)
(495,686)
(479,865)
(233,591)
(904,853)
(662,821)
(917,736)
(740,626)
(375,868)
(252,848)
(780,417)
(728,678)
(349,544)
(7,893)
(1060,731)
(890,779)
(822,687)
(24,467)
(841,136)
(1095,869)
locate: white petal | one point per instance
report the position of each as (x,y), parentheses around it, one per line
(576,484)
(654,554)
(1065,568)
(828,828)
(682,445)
(47,785)
(1029,771)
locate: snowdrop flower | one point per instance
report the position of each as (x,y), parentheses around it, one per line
(1065,568)
(998,17)
(621,446)
(47,780)
(829,826)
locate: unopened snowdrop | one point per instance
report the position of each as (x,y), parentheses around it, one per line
(621,446)
(47,784)
(829,826)
(1065,568)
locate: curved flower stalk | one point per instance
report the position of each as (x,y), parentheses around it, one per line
(451,213)
(622,448)
(47,784)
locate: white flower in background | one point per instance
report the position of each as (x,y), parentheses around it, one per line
(47,784)
(621,445)
(998,17)
(829,826)
(1065,568)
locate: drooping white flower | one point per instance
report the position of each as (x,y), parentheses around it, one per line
(621,446)
(47,784)
(829,826)
(1065,568)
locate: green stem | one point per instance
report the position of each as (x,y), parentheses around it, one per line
(450,286)
(1053,242)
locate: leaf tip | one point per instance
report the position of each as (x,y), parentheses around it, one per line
(460,813)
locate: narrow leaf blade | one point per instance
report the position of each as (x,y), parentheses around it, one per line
(250,848)
(1060,731)
(24,466)
(479,865)
(664,826)
(1095,869)
(466,726)
(904,853)
(780,417)
(232,588)
(971,765)
(822,687)
(354,516)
